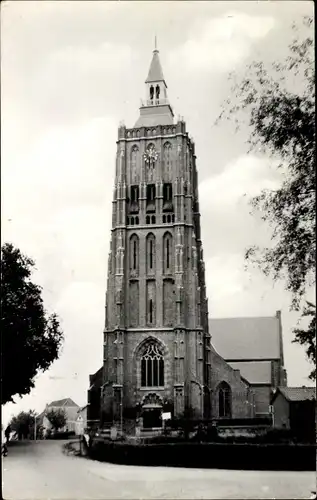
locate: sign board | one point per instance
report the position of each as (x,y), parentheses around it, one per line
(166,416)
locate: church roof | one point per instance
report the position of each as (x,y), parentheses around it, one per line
(298,393)
(241,339)
(256,372)
(155,71)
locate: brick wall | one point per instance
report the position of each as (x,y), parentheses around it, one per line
(222,372)
(281,412)
(262,396)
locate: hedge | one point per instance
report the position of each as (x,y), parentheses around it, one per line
(208,455)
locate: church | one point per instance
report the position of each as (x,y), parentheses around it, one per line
(158,351)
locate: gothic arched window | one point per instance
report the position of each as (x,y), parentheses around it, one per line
(134,253)
(150,253)
(152,366)
(167,161)
(224,400)
(167,252)
(134,170)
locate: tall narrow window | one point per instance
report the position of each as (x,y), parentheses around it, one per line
(134,254)
(150,253)
(167,162)
(167,197)
(150,198)
(167,247)
(134,170)
(151,311)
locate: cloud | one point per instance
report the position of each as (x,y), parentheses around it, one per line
(246,174)
(57,204)
(225,208)
(221,43)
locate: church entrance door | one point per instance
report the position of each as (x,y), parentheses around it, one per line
(152,417)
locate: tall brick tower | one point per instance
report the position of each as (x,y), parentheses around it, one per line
(156,340)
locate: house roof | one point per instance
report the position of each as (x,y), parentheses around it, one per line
(255,372)
(240,339)
(82,409)
(63,402)
(297,393)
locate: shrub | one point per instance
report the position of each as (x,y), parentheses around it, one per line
(209,455)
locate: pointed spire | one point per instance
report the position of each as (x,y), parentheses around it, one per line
(155,71)
(156,109)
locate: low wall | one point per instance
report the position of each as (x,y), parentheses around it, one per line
(241,431)
(208,455)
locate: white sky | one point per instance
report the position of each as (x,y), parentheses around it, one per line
(70,72)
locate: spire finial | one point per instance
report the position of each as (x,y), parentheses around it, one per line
(155,43)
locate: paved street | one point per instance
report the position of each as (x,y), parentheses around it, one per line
(41,471)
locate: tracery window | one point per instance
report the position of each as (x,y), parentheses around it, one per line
(224,400)
(152,367)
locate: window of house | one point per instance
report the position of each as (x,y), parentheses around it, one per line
(150,311)
(152,367)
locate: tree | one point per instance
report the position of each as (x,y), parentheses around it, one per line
(23,423)
(31,340)
(281,118)
(307,337)
(57,418)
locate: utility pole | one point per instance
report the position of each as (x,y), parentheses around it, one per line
(34,427)
(121,412)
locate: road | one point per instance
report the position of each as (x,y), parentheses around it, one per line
(42,471)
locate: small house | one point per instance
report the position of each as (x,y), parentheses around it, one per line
(294,408)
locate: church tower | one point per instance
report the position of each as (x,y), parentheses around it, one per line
(156,340)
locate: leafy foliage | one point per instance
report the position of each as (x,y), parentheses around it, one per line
(57,418)
(23,423)
(307,337)
(31,341)
(281,117)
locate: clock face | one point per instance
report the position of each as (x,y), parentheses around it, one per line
(150,156)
